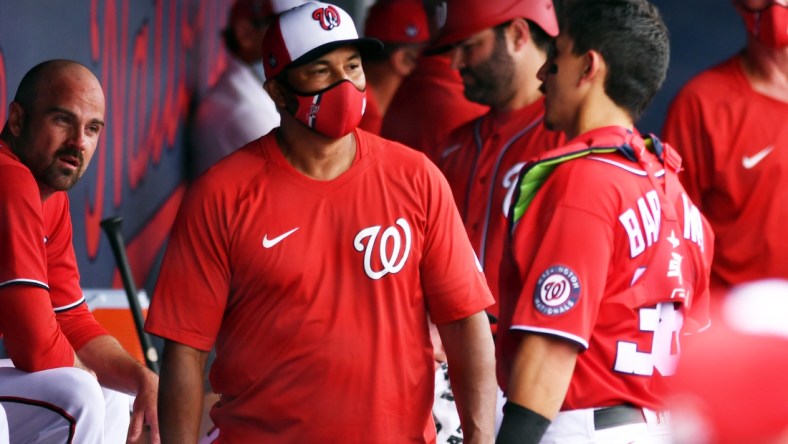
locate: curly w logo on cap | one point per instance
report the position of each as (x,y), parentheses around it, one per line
(294,39)
(328,17)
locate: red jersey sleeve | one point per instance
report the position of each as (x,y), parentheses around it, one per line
(575,247)
(562,238)
(197,253)
(76,321)
(453,283)
(23,256)
(32,336)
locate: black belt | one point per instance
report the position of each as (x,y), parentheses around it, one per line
(617,415)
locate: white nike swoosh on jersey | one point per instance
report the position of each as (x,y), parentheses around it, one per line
(268,243)
(749,162)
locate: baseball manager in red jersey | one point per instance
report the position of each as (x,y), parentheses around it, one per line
(609,260)
(311,258)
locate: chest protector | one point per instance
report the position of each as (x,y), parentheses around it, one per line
(671,272)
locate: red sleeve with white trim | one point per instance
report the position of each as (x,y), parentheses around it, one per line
(32,337)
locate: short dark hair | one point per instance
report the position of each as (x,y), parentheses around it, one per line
(541,39)
(632,39)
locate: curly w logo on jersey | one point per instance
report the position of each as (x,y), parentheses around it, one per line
(328,17)
(387,255)
(557,290)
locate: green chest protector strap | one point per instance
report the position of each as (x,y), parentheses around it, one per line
(535,173)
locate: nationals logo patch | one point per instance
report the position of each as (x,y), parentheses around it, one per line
(557,291)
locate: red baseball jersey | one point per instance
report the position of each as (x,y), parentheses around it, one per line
(734,141)
(482,161)
(602,258)
(316,293)
(429,104)
(38,250)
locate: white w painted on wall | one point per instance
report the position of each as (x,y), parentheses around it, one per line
(388,257)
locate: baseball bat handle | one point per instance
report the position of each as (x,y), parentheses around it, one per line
(111,227)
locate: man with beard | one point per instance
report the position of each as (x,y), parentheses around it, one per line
(498,47)
(64,375)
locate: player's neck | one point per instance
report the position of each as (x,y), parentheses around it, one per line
(598,111)
(766,69)
(314,154)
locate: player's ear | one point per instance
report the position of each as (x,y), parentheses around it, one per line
(16,118)
(283,99)
(403,59)
(275,89)
(595,68)
(520,32)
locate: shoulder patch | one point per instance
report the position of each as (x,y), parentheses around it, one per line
(557,291)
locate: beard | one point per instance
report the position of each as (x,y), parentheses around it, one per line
(49,173)
(492,79)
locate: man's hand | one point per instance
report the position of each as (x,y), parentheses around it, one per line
(144,410)
(117,370)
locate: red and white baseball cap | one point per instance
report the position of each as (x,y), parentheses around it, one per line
(302,34)
(465,18)
(397,21)
(257,10)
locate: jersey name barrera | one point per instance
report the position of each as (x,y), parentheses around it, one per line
(643,232)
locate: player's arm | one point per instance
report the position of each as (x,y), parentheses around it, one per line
(118,370)
(33,339)
(537,386)
(181,394)
(469,350)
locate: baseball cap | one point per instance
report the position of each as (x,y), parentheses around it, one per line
(397,21)
(465,18)
(302,34)
(257,10)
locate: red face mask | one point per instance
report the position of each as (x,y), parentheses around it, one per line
(334,111)
(769,25)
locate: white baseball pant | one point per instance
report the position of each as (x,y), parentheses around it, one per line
(61,405)
(609,426)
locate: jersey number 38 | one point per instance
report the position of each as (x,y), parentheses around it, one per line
(664,321)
